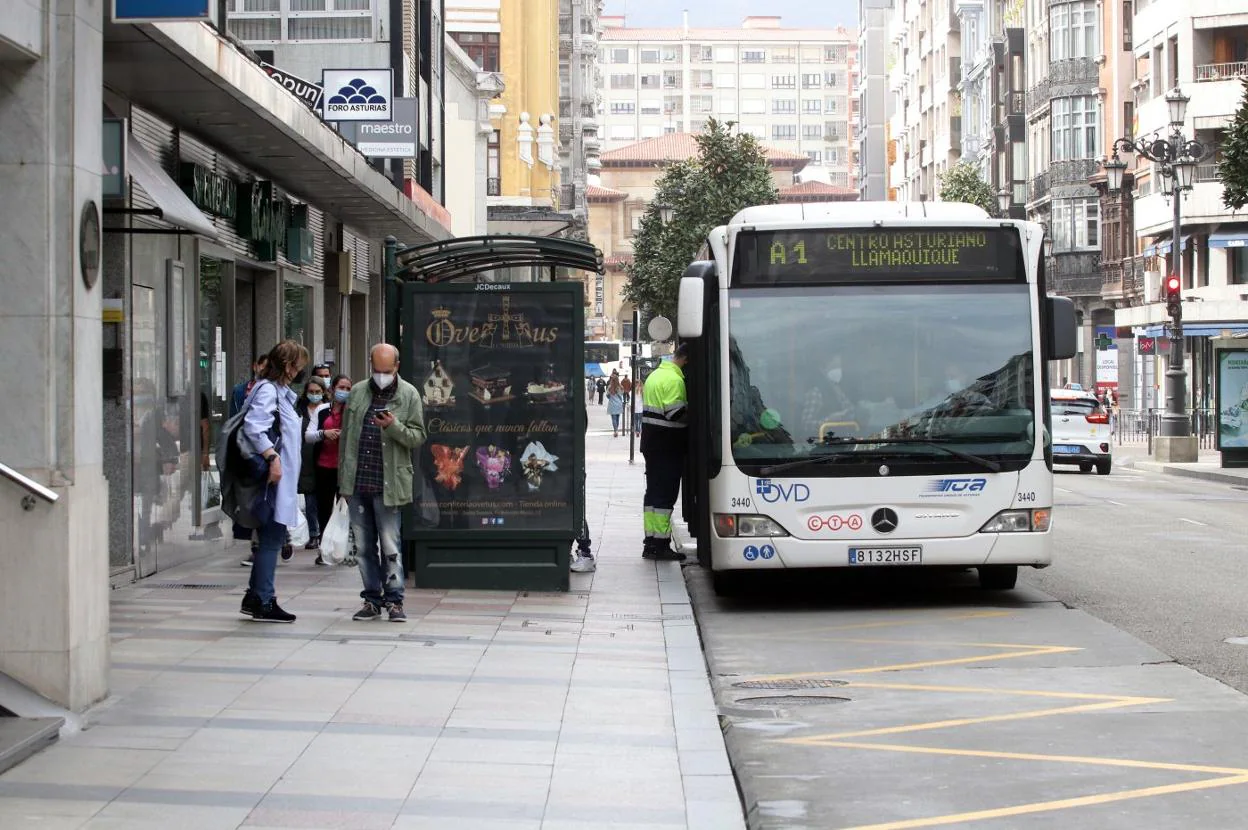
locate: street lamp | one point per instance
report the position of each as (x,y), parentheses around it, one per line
(1003,200)
(666,213)
(1176,158)
(1048,244)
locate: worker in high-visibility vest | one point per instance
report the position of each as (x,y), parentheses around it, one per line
(664,443)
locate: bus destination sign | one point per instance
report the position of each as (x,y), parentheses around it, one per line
(851,255)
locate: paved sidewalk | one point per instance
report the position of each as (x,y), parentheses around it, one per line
(1208,467)
(487,711)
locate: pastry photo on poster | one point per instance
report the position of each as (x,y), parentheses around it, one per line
(494,369)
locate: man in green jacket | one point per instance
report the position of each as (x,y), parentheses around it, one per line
(381,426)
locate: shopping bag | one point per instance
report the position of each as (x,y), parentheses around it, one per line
(299,535)
(335,538)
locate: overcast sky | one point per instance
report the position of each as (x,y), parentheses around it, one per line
(730,13)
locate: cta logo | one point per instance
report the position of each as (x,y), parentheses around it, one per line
(835,522)
(957,486)
(771,492)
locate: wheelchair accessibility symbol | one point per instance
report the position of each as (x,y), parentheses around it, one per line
(751,553)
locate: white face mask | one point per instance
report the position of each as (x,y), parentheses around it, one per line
(382,379)
(834,375)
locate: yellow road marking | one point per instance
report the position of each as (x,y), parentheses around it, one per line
(988,690)
(1024,651)
(909,618)
(1061,804)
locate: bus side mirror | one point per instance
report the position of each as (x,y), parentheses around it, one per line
(691,301)
(1062,333)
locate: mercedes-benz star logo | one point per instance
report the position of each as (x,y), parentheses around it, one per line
(884,520)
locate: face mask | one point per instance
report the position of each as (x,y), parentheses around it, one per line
(341,395)
(316,397)
(382,379)
(834,375)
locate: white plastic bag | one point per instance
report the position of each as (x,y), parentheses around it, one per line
(335,537)
(299,534)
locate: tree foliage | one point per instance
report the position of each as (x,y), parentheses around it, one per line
(730,172)
(1233,169)
(962,183)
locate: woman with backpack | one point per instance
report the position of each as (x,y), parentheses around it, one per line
(271,430)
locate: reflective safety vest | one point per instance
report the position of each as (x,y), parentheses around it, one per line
(664,408)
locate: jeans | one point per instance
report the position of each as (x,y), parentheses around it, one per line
(311,513)
(615,422)
(377,537)
(264,561)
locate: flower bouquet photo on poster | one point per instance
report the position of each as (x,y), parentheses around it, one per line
(494,368)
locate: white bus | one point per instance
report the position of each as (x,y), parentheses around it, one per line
(868,387)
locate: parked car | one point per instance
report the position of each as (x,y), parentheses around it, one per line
(1081,430)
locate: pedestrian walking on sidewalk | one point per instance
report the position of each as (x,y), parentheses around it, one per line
(271,429)
(615,405)
(664,443)
(311,403)
(638,396)
(323,433)
(583,557)
(381,428)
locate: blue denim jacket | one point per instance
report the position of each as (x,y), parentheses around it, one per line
(266,398)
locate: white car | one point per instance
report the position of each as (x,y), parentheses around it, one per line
(1081,430)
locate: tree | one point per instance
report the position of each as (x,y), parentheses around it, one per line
(962,183)
(729,173)
(1233,169)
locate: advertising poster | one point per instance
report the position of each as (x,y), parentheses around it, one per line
(1106,359)
(495,369)
(1232,399)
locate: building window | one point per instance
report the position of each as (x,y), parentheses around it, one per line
(832,79)
(492,163)
(812,105)
(703,79)
(701,54)
(831,105)
(1172,62)
(651,106)
(673,80)
(783,132)
(753,81)
(753,106)
(671,54)
(784,55)
(815,156)
(649,55)
(623,107)
(621,56)
(623,132)
(835,54)
(812,81)
(701,104)
(623,81)
(1074,30)
(812,131)
(753,56)
(1076,223)
(756,130)
(784,82)
(1127,13)
(725,80)
(673,105)
(650,81)
(1239,265)
(651,131)
(1075,123)
(725,54)
(784,106)
(482,47)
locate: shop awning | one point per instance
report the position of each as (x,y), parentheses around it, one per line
(1163,247)
(1198,329)
(171,203)
(1230,238)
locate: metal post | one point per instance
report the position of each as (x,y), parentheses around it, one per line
(632,404)
(393,300)
(1175,421)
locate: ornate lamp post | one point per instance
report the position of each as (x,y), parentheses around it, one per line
(1178,158)
(1003,201)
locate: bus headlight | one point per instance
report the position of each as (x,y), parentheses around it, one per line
(1019,521)
(728,525)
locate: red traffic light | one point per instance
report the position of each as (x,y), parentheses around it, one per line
(1173,285)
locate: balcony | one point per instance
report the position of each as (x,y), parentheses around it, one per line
(1123,280)
(1221,71)
(1154,214)
(1076,274)
(1015,103)
(1039,187)
(1038,97)
(1074,72)
(1074,171)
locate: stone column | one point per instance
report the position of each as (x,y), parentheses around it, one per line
(54,557)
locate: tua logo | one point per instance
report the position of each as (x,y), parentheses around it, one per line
(771,492)
(958,485)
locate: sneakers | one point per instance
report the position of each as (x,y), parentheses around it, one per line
(368,612)
(583,562)
(272,612)
(397,614)
(251,604)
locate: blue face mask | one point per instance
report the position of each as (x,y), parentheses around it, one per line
(315,397)
(341,395)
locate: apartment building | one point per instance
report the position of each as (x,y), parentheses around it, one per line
(873,99)
(924,70)
(791,88)
(579,79)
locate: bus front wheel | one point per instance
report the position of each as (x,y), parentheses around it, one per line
(728,583)
(998,577)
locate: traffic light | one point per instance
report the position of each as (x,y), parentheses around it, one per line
(1174,299)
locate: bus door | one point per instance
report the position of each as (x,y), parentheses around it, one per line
(704,387)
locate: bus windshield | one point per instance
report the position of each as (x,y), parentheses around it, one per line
(842,370)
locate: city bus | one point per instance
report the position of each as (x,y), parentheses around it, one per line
(868,388)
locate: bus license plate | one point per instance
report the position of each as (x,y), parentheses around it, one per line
(886,556)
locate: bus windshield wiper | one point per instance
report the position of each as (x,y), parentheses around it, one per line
(979,460)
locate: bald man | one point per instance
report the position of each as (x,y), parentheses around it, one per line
(381,426)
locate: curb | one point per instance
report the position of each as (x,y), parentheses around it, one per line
(1215,476)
